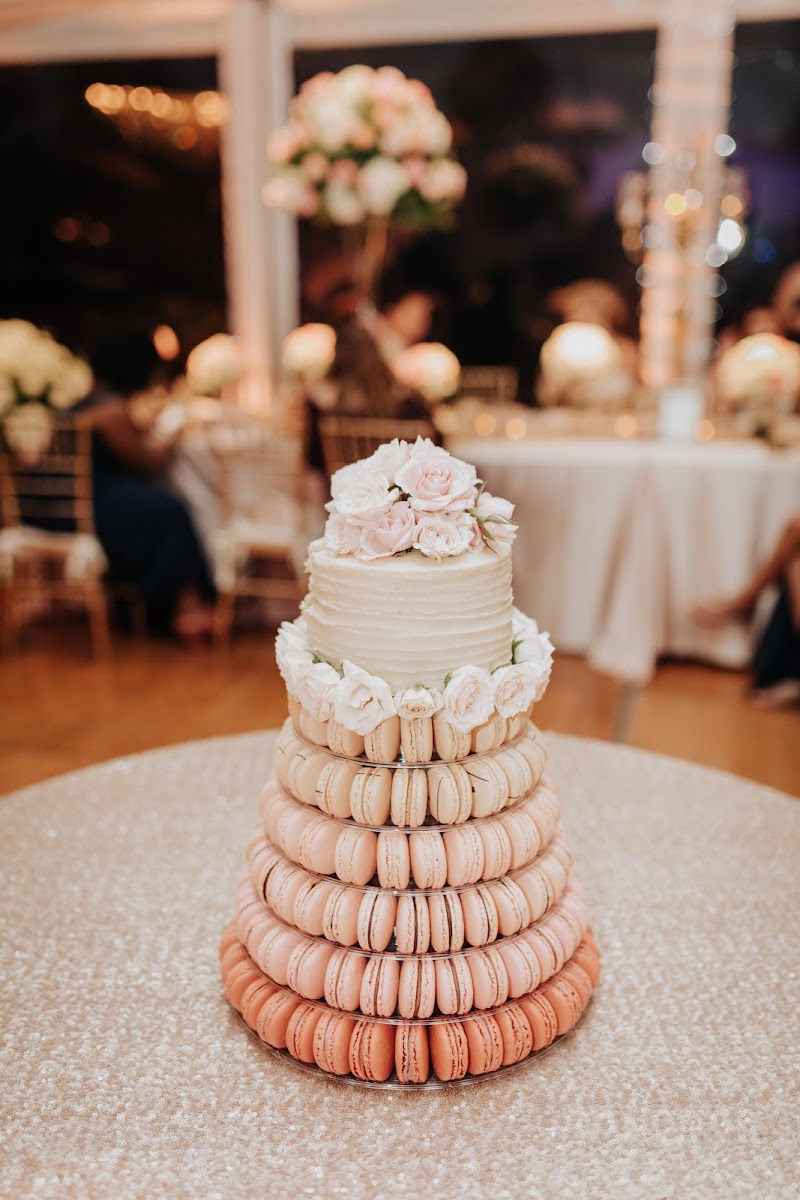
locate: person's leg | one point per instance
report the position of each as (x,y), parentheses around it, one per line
(741,605)
(776,662)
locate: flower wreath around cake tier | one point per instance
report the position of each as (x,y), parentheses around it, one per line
(414,498)
(361,702)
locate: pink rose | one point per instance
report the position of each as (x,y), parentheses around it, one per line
(494,516)
(469,698)
(341,536)
(314,685)
(515,688)
(443,536)
(390,534)
(361,701)
(435,481)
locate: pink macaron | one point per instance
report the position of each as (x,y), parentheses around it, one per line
(464,850)
(306,968)
(340,918)
(310,903)
(413,924)
(496,849)
(379,986)
(416,995)
(316,848)
(489,978)
(376,919)
(454,988)
(356,855)
(522,966)
(372,1051)
(370,795)
(343,979)
(412,1059)
(394,861)
(480,915)
(485,1044)
(513,910)
(446,921)
(428,859)
(332,1042)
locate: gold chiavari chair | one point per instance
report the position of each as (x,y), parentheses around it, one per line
(492,385)
(347,439)
(48,547)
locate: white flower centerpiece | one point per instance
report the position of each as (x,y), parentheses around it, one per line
(759,375)
(430,369)
(365,149)
(214,365)
(39,379)
(408,499)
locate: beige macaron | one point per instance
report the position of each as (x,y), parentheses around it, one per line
(409,798)
(416,739)
(383,743)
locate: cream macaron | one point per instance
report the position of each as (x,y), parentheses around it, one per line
(416,739)
(446,921)
(409,798)
(370,795)
(413,924)
(449,794)
(383,743)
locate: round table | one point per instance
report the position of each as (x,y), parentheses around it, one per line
(125,1074)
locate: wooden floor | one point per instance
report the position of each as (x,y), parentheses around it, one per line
(59,710)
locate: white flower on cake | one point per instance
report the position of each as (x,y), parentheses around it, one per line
(435,481)
(361,701)
(292,651)
(439,537)
(415,703)
(494,515)
(342,536)
(314,686)
(365,499)
(515,688)
(387,535)
(413,497)
(469,698)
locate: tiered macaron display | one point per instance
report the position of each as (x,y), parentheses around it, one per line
(408,916)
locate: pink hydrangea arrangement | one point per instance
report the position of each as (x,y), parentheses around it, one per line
(361,701)
(365,144)
(414,497)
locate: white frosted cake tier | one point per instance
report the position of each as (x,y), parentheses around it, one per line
(411,619)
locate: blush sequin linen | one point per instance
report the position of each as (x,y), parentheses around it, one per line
(124,1073)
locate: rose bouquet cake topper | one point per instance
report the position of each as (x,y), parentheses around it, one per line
(409,498)
(419,497)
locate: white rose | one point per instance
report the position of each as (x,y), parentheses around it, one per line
(469,698)
(390,534)
(381,182)
(27,430)
(515,688)
(387,460)
(314,685)
(341,536)
(495,515)
(416,702)
(435,481)
(343,205)
(361,701)
(364,499)
(443,180)
(292,651)
(345,477)
(443,536)
(522,625)
(536,653)
(309,350)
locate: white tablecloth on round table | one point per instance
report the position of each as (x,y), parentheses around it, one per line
(619,538)
(125,1075)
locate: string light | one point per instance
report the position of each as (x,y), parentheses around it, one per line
(145,110)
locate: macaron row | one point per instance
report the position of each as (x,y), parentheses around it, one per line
(409,1053)
(413,922)
(404,795)
(483,849)
(413,986)
(419,739)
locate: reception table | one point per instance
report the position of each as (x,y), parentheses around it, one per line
(618,538)
(125,1074)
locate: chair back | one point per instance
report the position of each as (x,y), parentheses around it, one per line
(345,440)
(492,385)
(260,476)
(55,491)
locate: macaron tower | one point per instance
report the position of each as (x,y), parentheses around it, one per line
(408,915)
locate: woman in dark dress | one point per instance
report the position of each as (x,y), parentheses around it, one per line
(145,530)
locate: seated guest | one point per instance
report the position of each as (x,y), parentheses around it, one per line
(776,662)
(144,529)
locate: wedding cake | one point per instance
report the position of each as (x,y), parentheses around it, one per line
(408,914)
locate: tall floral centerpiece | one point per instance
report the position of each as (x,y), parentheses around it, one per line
(39,379)
(366,150)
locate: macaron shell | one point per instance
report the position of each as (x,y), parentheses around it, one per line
(413,925)
(516,1033)
(464,850)
(480,916)
(566,1002)
(300,1032)
(449,742)
(372,1051)
(485,1044)
(333,787)
(454,988)
(522,967)
(340,918)
(394,862)
(305,971)
(409,798)
(489,786)
(356,856)
(316,731)
(541,1018)
(238,979)
(382,745)
(370,795)
(513,910)
(332,1042)
(449,794)
(379,987)
(588,958)
(428,859)
(496,850)
(449,1050)
(416,995)
(446,922)
(489,735)
(316,850)
(376,919)
(416,739)
(254,1000)
(580,980)
(489,978)
(310,904)
(343,979)
(343,741)
(412,1054)
(274,1017)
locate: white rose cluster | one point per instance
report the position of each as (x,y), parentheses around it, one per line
(38,379)
(760,374)
(365,144)
(413,497)
(308,351)
(214,365)
(361,701)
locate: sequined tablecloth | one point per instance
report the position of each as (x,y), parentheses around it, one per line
(123,1073)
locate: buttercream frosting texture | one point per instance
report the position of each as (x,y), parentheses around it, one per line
(411,619)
